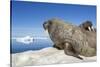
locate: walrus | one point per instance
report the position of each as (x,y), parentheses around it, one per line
(88,26)
(71,38)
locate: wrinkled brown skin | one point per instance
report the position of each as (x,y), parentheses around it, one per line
(72,39)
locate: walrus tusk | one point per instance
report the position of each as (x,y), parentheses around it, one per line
(89,28)
(92,28)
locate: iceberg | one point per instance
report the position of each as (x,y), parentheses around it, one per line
(25,40)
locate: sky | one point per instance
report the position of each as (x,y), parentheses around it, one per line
(27,18)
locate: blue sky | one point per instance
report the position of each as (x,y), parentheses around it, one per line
(28,17)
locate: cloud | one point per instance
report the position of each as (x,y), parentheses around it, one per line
(25,40)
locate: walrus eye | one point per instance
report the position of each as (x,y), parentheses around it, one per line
(50,22)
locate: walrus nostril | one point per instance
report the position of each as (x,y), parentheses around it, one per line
(44,25)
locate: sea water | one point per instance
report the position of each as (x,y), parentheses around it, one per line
(37,44)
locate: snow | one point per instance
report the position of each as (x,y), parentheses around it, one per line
(44,57)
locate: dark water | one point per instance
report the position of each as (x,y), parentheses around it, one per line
(38,44)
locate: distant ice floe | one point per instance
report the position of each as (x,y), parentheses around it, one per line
(28,39)
(25,40)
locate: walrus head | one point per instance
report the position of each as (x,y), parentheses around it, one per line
(50,24)
(87,25)
(47,24)
(55,23)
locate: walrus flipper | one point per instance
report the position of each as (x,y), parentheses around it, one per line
(58,47)
(68,49)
